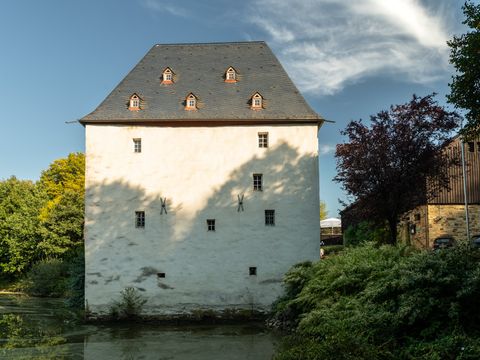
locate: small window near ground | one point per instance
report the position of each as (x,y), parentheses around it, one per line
(257,182)
(252,271)
(211,225)
(262,140)
(139,219)
(137,145)
(270,217)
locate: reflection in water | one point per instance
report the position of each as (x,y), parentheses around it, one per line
(42,329)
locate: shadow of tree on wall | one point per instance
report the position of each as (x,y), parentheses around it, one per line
(201,264)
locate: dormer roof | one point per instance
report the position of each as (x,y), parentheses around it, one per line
(200,69)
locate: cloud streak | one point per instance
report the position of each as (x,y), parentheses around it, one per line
(327,44)
(165,7)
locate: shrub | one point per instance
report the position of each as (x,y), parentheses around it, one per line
(365,232)
(47,278)
(385,302)
(130,306)
(75,297)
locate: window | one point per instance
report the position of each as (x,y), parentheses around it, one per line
(262,140)
(252,271)
(137,145)
(257,101)
(134,103)
(191,102)
(230,75)
(257,182)
(211,225)
(161,275)
(269,217)
(139,219)
(167,76)
(471,146)
(417,217)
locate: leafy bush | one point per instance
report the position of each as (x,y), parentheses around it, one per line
(385,302)
(47,278)
(130,306)
(75,291)
(364,232)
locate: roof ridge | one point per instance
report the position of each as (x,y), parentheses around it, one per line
(214,43)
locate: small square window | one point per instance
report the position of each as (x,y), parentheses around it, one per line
(139,219)
(161,275)
(417,217)
(252,271)
(262,140)
(211,225)
(257,182)
(269,217)
(137,145)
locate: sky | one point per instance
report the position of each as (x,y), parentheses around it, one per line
(350,59)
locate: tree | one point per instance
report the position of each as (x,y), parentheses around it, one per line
(323,210)
(386,166)
(464,56)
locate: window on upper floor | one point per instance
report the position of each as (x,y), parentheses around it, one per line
(230,75)
(167,76)
(269,217)
(256,101)
(263,140)
(134,103)
(191,102)
(137,145)
(257,182)
(139,219)
(211,225)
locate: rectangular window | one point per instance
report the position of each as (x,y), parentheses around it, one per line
(137,145)
(262,140)
(211,224)
(252,271)
(257,182)
(139,219)
(168,77)
(471,146)
(270,217)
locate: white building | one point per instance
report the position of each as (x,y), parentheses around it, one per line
(201,181)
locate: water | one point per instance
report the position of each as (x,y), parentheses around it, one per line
(38,329)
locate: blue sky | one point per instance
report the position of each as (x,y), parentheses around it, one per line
(350,59)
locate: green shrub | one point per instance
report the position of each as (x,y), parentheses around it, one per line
(130,306)
(47,278)
(385,302)
(365,232)
(332,249)
(75,297)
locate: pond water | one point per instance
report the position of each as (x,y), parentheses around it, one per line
(32,328)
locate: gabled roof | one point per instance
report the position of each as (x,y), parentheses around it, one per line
(200,69)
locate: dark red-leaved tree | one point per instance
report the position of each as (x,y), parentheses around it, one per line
(385,165)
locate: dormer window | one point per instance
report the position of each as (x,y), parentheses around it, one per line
(256,101)
(191,102)
(230,75)
(167,76)
(134,104)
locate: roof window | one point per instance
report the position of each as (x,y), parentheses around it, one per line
(191,102)
(167,76)
(134,103)
(256,101)
(230,75)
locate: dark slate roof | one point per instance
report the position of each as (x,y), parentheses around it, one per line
(200,69)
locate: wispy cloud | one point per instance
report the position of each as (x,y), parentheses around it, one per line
(164,6)
(326,149)
(327,44)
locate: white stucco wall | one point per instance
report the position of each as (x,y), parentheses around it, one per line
(200,171)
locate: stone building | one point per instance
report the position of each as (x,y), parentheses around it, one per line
(444,213)
(201,181)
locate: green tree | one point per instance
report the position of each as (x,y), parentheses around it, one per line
(20,204)
(62,217)
(323,210)
(464,56)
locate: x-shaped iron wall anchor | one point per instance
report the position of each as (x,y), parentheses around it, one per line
(164,205)
(240,203)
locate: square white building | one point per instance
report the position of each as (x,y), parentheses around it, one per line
(201,181)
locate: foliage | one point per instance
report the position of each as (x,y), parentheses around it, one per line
(323,210)
(366,231)
(465,85)
(47,278)
(75,287)
(20,203)
(332,249)
(130,306)
(385,166)
(385,302)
